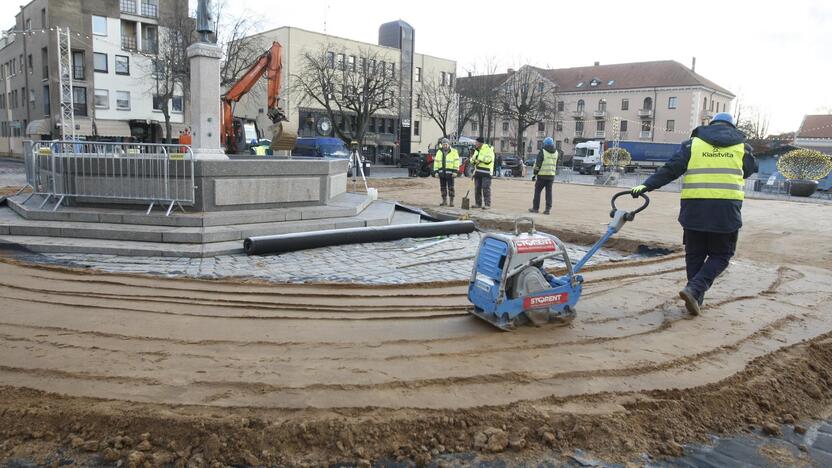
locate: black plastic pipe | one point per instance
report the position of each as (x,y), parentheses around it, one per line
(309,240)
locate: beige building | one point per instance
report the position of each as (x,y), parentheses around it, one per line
(660,101)
(112,45)
(399,129)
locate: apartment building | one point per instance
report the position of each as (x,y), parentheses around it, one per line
(113,43)
(660,101)
(392,131)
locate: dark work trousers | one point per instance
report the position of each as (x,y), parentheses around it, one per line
(482,188)
(706,257)
(543,182)
(446,184)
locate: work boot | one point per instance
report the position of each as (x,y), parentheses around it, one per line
(452,201)
(532,210)
(477,206)
(691,300)
(486,207)
(546,211)
(444,202)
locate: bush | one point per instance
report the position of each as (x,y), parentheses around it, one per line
(804,164)
(617,157)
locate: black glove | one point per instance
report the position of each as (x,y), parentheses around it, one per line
(534,177)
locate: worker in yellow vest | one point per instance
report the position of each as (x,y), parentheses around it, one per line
(715,162)
(544,171)
(446,166)
(483,163)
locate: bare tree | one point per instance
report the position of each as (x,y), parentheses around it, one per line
(754,124)
(170,68)
(439,101)
(479,98)
(349,93)
(528,98)
(241,47)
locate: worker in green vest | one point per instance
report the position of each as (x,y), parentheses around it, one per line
(483,162)
(446,166)
(544,175)
(715,162)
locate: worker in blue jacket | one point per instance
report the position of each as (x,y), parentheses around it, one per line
(715,162)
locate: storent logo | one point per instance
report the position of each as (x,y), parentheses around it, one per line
(536,302)
(536,244)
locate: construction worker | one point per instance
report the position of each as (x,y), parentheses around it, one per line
(544,174)
(483,161)
(446,165)
(714,162)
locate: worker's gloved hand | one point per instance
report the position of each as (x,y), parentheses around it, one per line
(638,190)
(534,177)
(433,173)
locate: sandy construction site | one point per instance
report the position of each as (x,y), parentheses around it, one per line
(159,371)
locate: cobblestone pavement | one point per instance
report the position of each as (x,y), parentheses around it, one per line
(398,262)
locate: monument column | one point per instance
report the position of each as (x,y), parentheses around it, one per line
(205,100)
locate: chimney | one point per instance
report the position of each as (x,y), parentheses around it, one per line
(511,70)
(470,74)
(597,63)
(693,65)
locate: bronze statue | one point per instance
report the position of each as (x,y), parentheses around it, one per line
(204,21)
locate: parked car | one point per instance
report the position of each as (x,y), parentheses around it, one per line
(420,165)
(329,148)
(511,163)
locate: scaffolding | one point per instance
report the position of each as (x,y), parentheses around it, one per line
(65,80)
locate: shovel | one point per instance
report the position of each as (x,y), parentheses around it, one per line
(466,202)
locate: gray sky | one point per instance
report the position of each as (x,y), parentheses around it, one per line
(776,59)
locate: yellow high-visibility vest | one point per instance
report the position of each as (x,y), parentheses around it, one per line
(714,172)
(550,163)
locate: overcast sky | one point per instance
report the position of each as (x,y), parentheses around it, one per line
(778,59)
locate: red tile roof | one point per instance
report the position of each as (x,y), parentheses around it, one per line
(816,126)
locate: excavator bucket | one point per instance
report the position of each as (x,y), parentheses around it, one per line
(283,138)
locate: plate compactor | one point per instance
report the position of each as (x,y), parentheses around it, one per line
(509,286)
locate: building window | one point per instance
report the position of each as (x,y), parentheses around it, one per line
(363,65)
(600,125)
(382,68)
(474,127)
(444,79)
(78,65)
(44,58)
(559,126)
(176,103)
(505,127)
(450,79)
(122,65)
(625,104)
(150,8)
(623,126)
(602,105)
(29,24)
(102,99)
(541,127)
(671,126)
(418,101)
(330,59)
(46,107)
(32,97)
(672,102)
(30,63)
(372,65)
(416,127)
(158,103)
(539,144)
(646,127)
(580,107)
(393,71)
(340,61)
(647,104)
(99,25)
(99,62)
(560,106)
(351,63)
(123,100)
(704,103)
(79,96)
(579,127)
(418,74)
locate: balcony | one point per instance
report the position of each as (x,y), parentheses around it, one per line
(129,7)
(599,134)
(579,133)
(150,46)
(600,114)
(645,134)
(578,114)
(129,43)
(645,113)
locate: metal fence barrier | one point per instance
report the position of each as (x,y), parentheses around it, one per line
(111,172)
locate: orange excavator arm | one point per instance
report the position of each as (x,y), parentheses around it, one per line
(270,64)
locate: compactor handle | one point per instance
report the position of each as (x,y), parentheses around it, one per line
(631,214)
(517,224)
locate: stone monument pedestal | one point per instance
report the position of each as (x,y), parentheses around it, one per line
(205,101)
